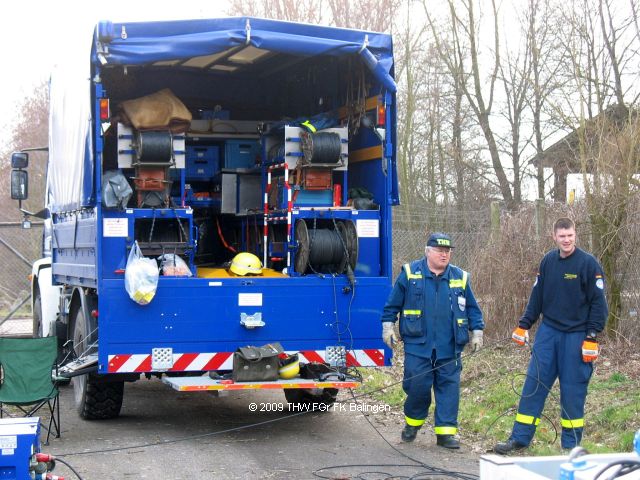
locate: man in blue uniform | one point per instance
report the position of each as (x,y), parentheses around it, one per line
(437,310)
(569,293)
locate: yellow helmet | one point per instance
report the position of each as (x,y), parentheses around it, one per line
(289,367)
(246,263)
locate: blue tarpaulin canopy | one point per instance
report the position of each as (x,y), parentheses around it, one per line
(181,41)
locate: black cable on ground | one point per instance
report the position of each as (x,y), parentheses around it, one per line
(69,467)
(429,470)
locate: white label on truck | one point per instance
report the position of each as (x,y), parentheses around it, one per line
(115,227)
(8,441)
(215,284)
(249,299)
(368,228)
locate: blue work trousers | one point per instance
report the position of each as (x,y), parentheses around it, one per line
(555,355)
(420,375)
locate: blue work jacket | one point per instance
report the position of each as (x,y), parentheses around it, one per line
(435,312)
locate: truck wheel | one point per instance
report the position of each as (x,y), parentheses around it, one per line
(311,399)
(96,398)
(37,315)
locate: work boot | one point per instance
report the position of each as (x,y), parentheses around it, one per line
(509,446)
(409,433)
(447,441)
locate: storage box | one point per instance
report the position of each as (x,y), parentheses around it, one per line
(202,162)
(241,153)
(200,126)
(317,179)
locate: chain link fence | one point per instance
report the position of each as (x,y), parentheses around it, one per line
(412,227)
(19,248)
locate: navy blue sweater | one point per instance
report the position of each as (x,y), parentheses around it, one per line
(569,293)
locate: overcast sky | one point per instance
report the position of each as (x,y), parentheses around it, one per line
(33,33)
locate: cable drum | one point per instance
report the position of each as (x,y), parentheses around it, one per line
(326,247)
(321,147)
(154,147)
(326,250)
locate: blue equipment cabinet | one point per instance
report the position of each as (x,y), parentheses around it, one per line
(241,153)
(19,441)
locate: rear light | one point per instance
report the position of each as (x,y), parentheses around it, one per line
(104,109)
(381,115)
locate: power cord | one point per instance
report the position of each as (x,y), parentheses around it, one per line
(625,467)
(69,467)
(428,469)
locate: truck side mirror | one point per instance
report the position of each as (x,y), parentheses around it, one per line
(19,184)
(19,160)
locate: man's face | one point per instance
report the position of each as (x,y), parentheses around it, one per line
(565,239)
(438,258)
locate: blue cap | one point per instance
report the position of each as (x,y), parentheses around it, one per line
(440,240)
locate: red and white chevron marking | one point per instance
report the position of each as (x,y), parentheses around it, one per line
(197,362)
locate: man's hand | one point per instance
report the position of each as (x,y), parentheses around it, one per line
(476,340)
(388,334)
(589,350)
(520,336)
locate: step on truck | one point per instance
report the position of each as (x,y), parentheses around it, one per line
(179,150)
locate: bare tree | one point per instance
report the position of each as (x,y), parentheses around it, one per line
(541,31)
(515,77)
(295,11)
(30,130)
(415,115)
(465,34)
(364,14)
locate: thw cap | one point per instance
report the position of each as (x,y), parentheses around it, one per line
(439,240)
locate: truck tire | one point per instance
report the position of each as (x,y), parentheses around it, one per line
(96,398)
(311,399)
(37,314)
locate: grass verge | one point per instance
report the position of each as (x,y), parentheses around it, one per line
(490,391)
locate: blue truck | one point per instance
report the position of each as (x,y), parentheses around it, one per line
(191,144)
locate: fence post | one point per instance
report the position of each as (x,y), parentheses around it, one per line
(540,217)
(495,219)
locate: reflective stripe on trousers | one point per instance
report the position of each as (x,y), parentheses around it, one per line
(555,354)
(420,376)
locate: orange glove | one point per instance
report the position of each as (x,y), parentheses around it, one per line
(589,350)
(520,336)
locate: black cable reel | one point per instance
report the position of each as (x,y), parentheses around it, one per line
(321,148)
(154,147)
(330,248)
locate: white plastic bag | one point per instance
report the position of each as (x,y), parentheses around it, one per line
(172,265)
(141,276)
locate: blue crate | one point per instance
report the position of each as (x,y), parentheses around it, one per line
(241,153)
(202,162)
